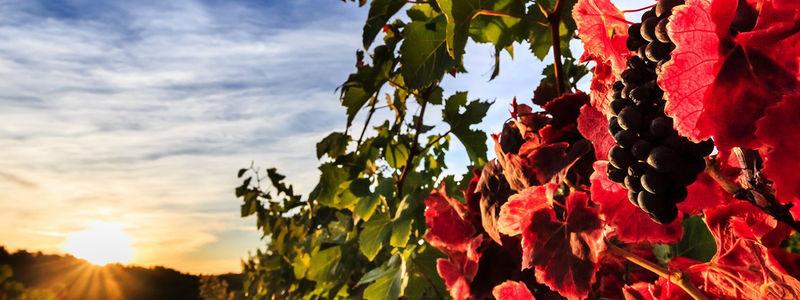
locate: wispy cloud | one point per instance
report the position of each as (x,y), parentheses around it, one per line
(141,113)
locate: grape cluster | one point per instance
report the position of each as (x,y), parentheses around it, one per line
(653,162)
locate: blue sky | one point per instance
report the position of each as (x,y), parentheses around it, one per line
(140,113)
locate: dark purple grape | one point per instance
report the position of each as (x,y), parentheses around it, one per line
(664,7)
(661,127)
(626,138)
(633,183)
(616,175)
(641,149)
(618,104)
(637,63)
(643,94)
(638,169)
(648,14)
(633,31)
(618,86)
(662,159)
(684,174)
(626,91)
(666,216)
(633,197)
(620,158)
(660,210)
(630,118)
(613,126)
(703,148)
(654,182)
(648,29)
(661,31)
(657,51)
(676,194)
(642,51)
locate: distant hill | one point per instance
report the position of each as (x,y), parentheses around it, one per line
(72,278)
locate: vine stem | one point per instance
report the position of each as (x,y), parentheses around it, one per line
(555,19)
(413,149)
(759,197)
(675,277)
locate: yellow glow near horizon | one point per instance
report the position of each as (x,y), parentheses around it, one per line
(100,243)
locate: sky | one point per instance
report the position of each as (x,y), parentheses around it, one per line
(139,113)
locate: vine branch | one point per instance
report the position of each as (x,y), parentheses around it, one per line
(413,149)
(755,190)
(675,277)
(554,18)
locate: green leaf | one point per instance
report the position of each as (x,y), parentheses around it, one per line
(366,206)
(396,154)
(324,264)
(388,280)
(380,11)
(474,141)
(330,180)
(250,203)
(374,234)
(300,265)
(421,12)
(424,53)
(423,280)
(697,242)
(353,99)
(460,14)
(360,187)
(333,145)
(401,232)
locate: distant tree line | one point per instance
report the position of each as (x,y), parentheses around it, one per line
(31,276)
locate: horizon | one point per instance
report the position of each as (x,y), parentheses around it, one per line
(138,114)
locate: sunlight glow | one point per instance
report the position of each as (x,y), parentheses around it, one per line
(100,243)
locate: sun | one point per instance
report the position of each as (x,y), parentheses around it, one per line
(100,243)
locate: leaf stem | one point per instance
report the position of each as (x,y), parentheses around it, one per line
(675,277)
(554,18)
(369,117)
(757,194)
(486,12)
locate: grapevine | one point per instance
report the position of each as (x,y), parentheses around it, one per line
(673,176)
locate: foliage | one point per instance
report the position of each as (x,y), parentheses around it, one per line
(543,219)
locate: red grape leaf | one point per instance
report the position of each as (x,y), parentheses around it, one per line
(460,268)
(515,214)
(738,220)
(566,108)
(776,34)
(448,228)
(716,85)
(603,31)
(512,290)
(692,69)
(624,220)
(743,272)
(778,130)
(601,93)
(593,125)
(702,194)
(788,262)
(565,252)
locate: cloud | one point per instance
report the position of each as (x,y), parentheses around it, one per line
(141,113)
